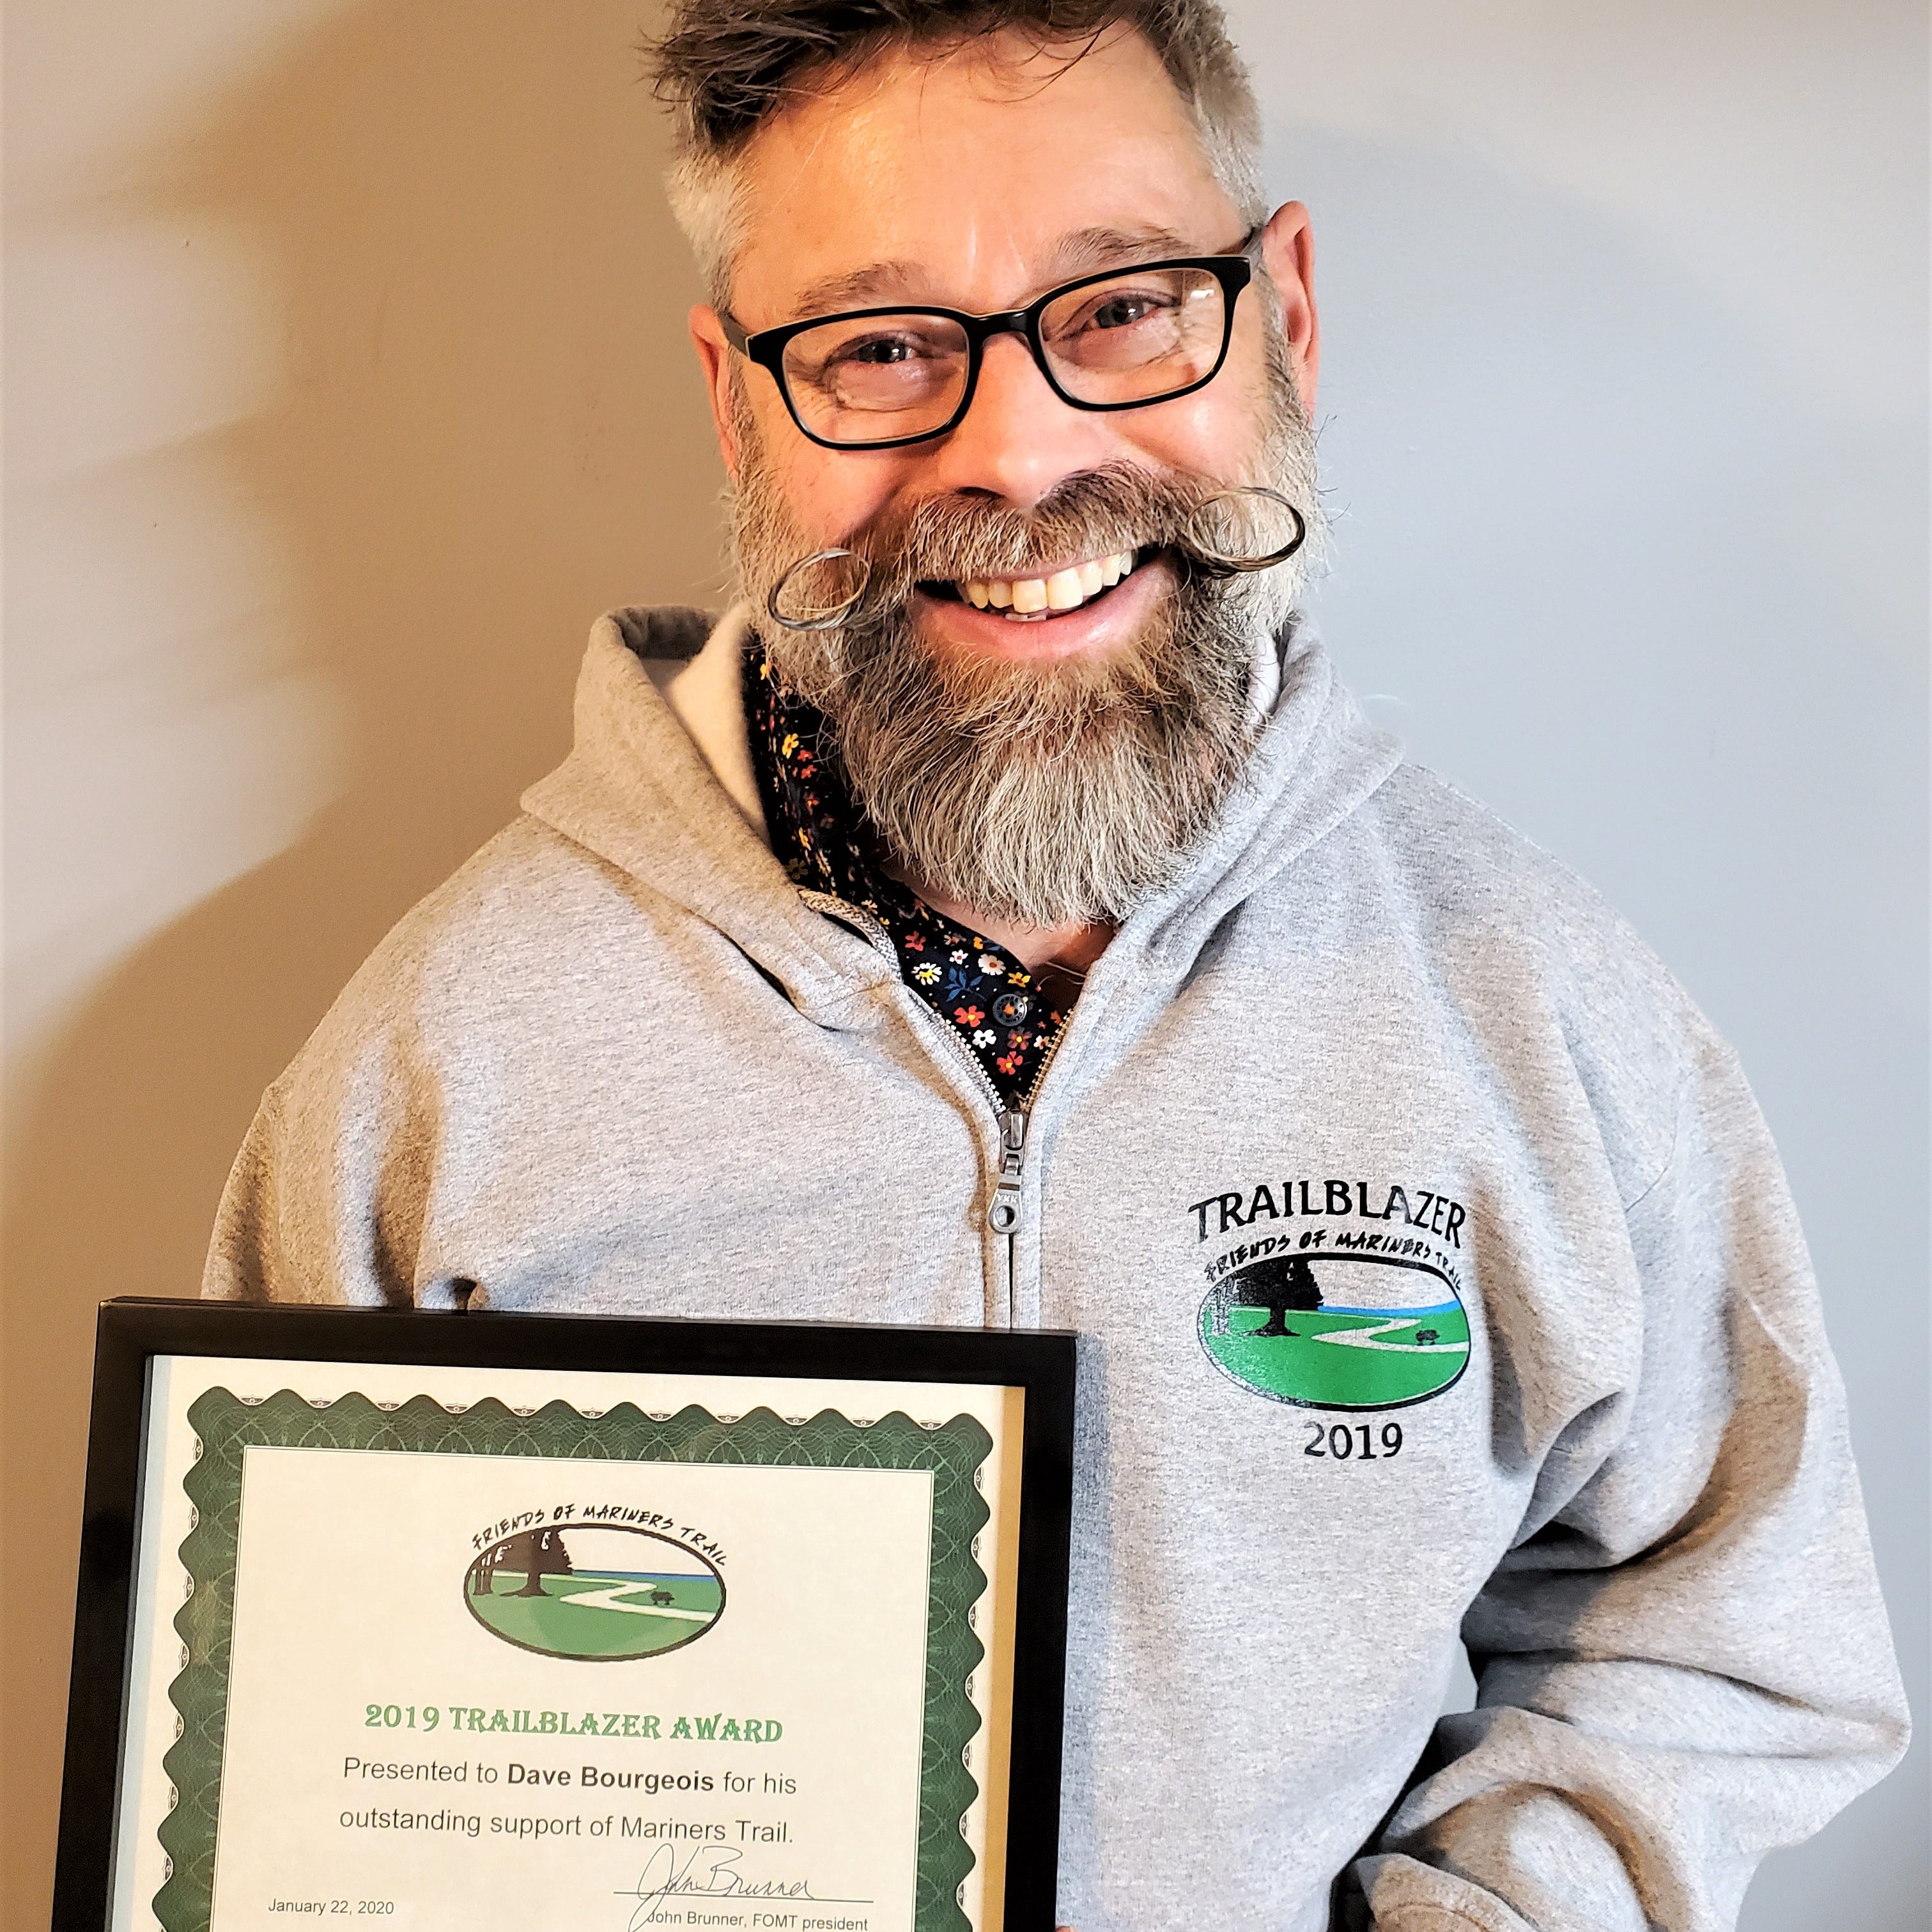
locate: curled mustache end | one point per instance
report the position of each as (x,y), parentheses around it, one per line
(820,592)
(1237,532)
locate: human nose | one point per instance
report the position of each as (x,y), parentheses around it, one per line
(1017,440)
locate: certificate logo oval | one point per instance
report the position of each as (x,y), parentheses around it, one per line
(1337,1331)
(600,1592)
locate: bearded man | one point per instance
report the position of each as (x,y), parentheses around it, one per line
(1000,916)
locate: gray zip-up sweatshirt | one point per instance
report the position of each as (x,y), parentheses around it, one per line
(1436,1275)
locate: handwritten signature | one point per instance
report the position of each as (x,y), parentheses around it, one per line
(708,1873)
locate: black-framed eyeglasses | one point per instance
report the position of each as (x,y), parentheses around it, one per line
(876,378)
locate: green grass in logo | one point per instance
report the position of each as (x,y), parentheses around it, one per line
(1349,1332)
(597,1592)
(595,1616)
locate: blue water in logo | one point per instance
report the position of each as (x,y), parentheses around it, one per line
(651,1576)
(1344,1308)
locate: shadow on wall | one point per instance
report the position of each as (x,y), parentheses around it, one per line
(490,430)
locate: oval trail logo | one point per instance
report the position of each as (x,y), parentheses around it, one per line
(601,1591)
(1337,1331)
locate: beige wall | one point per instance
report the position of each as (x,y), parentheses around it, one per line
(346,382)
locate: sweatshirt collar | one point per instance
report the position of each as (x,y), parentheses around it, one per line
(638,792)
(653,781)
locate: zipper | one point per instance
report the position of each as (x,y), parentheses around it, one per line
(1003,1211)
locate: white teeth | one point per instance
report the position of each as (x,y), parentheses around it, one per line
(1064,590)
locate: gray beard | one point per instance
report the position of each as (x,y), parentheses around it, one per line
(1043,795)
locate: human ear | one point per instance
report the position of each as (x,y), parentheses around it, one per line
(1288,253)
(714,358)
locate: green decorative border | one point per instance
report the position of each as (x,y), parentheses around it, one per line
(226,1425)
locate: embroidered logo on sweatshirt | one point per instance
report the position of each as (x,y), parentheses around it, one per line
(1351,1301)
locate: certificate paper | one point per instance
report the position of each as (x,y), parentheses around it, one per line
(515,1650)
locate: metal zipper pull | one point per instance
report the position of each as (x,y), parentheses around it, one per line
(1003,1216)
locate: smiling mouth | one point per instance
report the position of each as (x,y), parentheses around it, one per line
(1029,600)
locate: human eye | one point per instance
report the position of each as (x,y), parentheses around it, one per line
(891,362)
(896,343)
(1122,308)
(1133,320)
(880,351)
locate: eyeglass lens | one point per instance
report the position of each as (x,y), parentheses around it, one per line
(1134,338)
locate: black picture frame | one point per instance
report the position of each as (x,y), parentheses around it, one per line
(131,1332)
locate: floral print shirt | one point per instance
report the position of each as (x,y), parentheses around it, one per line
(1007,1018)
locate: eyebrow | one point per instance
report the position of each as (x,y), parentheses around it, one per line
(1084,251)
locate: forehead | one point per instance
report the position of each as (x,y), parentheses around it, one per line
(972,178)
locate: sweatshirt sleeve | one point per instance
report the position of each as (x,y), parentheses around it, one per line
(1666,1693)
(327,1198)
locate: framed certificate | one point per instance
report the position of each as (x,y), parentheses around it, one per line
(507,1623)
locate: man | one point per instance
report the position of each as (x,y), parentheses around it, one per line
(1002,916)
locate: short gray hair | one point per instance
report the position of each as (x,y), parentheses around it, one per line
(725,66)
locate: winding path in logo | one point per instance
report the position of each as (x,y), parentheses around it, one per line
(1365,1338)
(613,1599)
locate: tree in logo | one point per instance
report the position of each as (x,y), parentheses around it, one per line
(537,1553)
(1279,1284)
